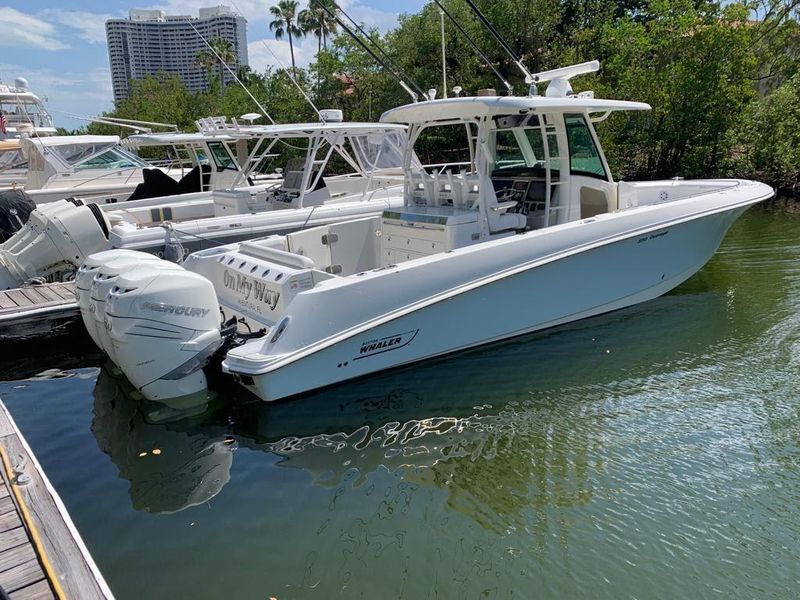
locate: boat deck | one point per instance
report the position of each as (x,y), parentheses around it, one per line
(36,310)
(41,553)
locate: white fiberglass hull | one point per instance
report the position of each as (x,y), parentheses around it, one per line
(511,287)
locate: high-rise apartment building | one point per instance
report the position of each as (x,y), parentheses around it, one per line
(150,41)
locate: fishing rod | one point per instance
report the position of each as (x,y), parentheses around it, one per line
(109,121)
(529,78)
(472,42)
(172,126)
(413,83)
(374,56)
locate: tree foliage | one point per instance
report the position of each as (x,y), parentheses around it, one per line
(721,77)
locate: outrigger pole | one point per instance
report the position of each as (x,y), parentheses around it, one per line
(484,58)
(529,78)
(414,93)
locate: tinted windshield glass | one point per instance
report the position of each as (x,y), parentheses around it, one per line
(221,157)
(507,153)
(584,159)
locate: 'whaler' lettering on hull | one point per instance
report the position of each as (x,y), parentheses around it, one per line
(385,344)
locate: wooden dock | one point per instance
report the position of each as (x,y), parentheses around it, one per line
(42,555)
(37,310)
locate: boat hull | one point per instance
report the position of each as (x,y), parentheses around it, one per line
(601,278)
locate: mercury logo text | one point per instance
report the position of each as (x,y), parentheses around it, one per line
(175,309)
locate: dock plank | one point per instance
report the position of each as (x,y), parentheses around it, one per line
(37,591)
(5,301)
(16,556)
(21,575)
(35,296)
(6,427)
(66,557)
(7,505)
(48,292)
(13,537)
(18,297)
(65,290)
(9,521)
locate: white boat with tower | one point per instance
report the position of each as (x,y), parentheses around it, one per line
(532,234)
(24,113)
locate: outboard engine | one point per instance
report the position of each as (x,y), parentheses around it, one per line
(164,325)
(113,262)
(57,237)
(105,279)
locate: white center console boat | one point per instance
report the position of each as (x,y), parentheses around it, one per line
(534,233)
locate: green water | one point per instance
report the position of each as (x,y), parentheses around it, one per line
(651,453)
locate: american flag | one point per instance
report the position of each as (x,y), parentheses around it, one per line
(2,122)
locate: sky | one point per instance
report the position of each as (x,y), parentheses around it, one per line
(60,47)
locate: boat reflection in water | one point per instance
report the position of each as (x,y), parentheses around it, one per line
(171,460)
(510,405)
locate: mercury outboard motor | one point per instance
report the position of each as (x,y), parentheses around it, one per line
(164,325)
(57,238)
(114,262)
(105,279)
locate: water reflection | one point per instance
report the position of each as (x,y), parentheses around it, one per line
(170,465)
(653,448)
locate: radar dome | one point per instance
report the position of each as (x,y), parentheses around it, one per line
(21,82)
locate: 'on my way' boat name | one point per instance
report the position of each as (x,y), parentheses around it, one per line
(248,287)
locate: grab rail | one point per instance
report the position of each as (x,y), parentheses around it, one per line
(282,257)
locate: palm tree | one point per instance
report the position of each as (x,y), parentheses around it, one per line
(285,23)
(219,54)
(225,55)
(318,21)
(206,60)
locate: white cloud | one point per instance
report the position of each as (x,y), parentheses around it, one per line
(23,30)
(266,53)
(257,12)
(371,17)
(90,26)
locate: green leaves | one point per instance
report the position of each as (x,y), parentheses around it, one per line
(711,71)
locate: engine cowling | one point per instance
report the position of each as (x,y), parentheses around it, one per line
(57,237)
(111,263)
(164,325)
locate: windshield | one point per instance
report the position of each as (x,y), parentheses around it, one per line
(12,159)
(523,147)
(72,154)
(222,158)
(113,159)
(380,150)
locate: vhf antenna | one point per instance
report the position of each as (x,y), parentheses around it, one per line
(529,78)
(414,94)
(484,58)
